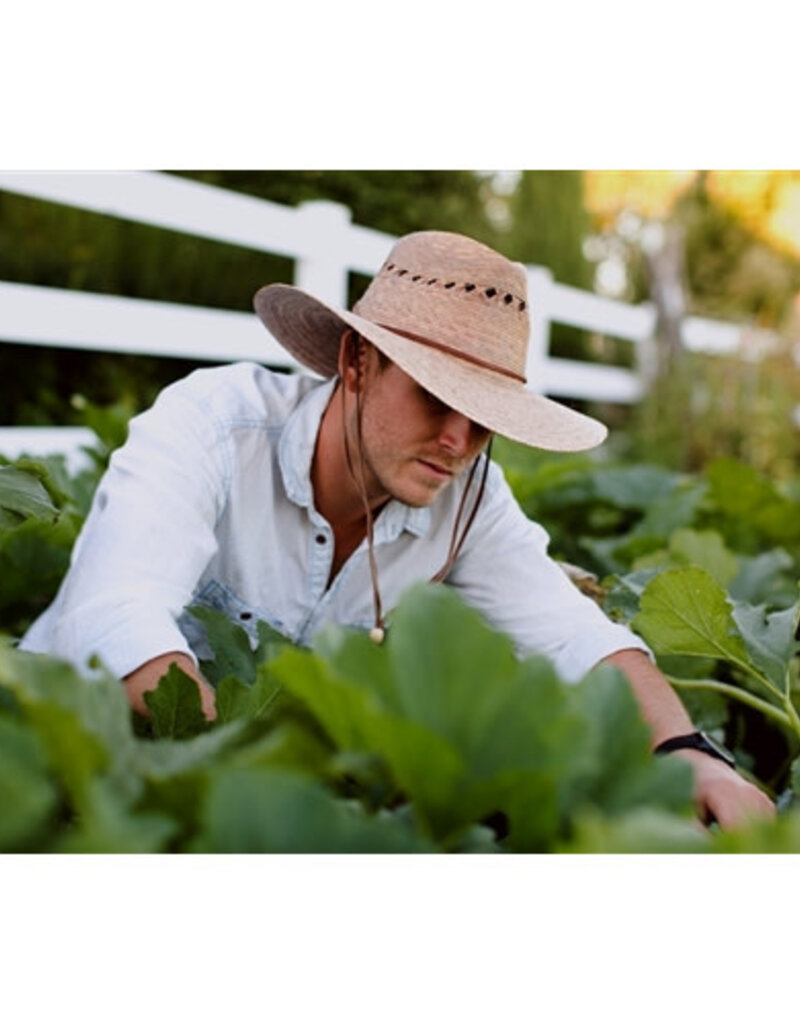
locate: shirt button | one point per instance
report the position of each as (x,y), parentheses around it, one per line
(321,538)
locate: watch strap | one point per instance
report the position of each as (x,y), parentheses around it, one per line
(696,741)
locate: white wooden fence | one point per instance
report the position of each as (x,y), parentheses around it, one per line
(325,246)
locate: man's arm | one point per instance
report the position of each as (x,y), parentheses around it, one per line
(147,677)
(719,791)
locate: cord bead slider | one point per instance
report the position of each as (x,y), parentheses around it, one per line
(376,634)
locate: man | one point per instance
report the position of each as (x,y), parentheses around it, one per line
(300,502)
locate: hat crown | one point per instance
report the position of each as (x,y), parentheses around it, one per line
(455,292)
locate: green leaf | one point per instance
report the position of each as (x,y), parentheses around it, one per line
(705,549)
(270,643)
(233,655)
(33,559)
(624,595)
(750,507)
(175,706)
(642,830)
(270,811)
(684,611)
(233,699)
(770,638)
(24,495)
(157,760)
(75,755)
(425,765)
(84,721)
(781,835)
(636,486)
(619,771)
(28,797)
(467,730)
(108,825)
(765,578)
(672,511)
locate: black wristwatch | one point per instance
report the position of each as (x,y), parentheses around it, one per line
(697,741)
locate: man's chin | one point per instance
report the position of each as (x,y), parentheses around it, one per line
(419,497)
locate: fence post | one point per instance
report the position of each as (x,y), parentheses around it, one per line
(322,269)
(540,280)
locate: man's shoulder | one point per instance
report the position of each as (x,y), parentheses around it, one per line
(242,391)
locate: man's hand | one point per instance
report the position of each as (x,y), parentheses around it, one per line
(722,795)
(148,676)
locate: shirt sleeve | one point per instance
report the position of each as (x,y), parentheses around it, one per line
(506,572)
(146,541)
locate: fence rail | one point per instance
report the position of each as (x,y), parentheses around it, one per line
(325,246)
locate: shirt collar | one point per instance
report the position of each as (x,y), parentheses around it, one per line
(297,442)
(296,450)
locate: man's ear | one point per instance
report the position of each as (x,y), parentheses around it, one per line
(352,360)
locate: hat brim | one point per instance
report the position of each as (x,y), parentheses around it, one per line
(312,330)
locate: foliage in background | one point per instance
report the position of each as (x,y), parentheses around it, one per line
(718,406)
(734,273)
(743,405)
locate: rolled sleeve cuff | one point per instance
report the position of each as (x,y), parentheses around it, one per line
(127,639)
(590,646)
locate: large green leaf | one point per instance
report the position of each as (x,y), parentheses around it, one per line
(469,732)
(770,638)
(28,796)
(234,654)
(175,706)
(75,754)
(23,495)
(33,559)
(107,825)
(619,771)
(426,765)
(766,578)
(684,611)
(707,550)
(236,699)
(642,830)
(84,721)
(270,811)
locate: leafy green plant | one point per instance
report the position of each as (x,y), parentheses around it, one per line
(417,745)
(686,612)
(441,739)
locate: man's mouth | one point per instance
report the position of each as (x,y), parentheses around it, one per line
(441,472)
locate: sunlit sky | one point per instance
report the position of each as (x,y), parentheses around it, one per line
(769,201)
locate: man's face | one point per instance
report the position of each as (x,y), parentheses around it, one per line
(413,444)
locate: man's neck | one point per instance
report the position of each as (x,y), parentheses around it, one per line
(336,494)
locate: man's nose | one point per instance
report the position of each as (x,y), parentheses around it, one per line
(456,435)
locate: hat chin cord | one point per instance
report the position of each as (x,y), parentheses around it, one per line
(378,631)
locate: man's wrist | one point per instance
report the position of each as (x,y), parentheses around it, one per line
(696,741)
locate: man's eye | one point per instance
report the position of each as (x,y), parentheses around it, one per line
(433,402)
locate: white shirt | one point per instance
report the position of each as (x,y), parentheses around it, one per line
(210,502)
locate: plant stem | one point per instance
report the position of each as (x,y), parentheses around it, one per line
(786,718)
(791,711)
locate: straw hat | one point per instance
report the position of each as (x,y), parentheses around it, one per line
(452,313)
